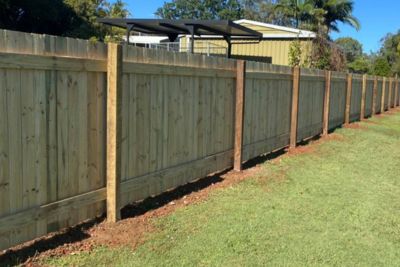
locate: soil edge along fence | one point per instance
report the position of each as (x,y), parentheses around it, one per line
(88,128)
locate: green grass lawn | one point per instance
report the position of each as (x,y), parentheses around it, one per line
(338,205)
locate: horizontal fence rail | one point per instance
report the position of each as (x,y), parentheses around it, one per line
(88,128)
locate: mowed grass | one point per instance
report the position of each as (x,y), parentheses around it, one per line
(338,205)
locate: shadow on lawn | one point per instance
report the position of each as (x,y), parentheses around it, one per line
(22,253)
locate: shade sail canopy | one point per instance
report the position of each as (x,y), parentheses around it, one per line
(172,28)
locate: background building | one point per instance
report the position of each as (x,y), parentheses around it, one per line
(273,48)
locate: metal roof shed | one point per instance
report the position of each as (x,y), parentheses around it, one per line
(228,29)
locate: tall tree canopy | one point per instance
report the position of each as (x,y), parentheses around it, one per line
(201,9)
(335,11)
(74,18)
(351,47)
(390,51)
(319,15)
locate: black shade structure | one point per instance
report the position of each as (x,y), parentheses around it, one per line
(227,29)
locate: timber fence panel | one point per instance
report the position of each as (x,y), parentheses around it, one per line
(176,126)
(52,134)
(267,108)
(356,94)
(392,92)
(397,88)
(369,96)
(311,103)
(378,103)
(337,103)
(386,94)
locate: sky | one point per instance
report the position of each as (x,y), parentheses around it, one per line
(377,19)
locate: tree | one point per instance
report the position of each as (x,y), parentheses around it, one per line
(336,11)
(325,55)
(361,65)
(352,48)
(264,11)
(295,53)
(390,51)
(38,16)
(381,67)
(297,10)
(201,9)
(73,18)
(88,11)
(318,15)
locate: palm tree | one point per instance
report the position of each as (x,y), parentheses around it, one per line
(337,11)
(319,15)
(298,10)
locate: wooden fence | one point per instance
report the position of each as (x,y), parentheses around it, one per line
(86,128)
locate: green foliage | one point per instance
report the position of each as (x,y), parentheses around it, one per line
(73,18)
(201,9)
(318,15)
(351,47)
(325,56)
(297,10)
(295,53)
(335,11)
(390,51)
(361,65)
(337,205)
(381,67)
(39,16)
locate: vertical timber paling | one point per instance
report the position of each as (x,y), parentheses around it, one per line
(295,107)
(239,113)
(348,97)
(114,79)
(363,95)
(328,76)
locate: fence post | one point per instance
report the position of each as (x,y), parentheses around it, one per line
(383,95)
(348,98)
(295,107)
(363,95)
(114,84)
(374,95)
(328,77)
(239,113)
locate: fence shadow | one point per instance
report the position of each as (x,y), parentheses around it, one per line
(71,235)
